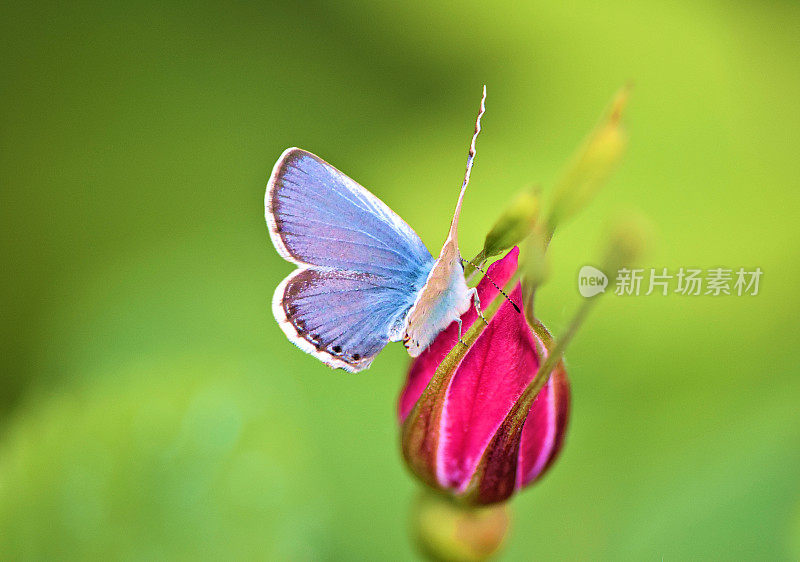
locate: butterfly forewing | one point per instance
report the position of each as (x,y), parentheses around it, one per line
(318,216)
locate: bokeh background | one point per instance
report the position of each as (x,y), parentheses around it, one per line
(151,408)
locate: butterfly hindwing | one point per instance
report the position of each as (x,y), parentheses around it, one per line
(341,317)
(361,266)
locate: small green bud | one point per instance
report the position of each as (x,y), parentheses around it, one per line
(592,163)
(446,530)
(626,243)
(535,265)
(514,224)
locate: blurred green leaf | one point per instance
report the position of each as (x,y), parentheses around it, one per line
(176,461)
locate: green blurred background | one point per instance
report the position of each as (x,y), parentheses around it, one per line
(151,407)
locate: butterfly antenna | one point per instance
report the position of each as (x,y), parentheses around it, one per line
(502,292)
(471,153)
(470,159)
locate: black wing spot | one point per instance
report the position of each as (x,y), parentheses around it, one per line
(336,349)
(356,357)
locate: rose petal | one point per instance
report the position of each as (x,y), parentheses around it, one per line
(543,433)
(424,366)
(487,383)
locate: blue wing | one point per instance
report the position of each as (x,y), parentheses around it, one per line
(361,265)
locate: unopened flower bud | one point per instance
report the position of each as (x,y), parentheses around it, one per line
(467,428)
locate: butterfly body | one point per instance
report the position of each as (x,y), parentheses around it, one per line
(443,299)
(364,277)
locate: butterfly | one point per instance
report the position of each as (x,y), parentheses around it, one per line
(364,277)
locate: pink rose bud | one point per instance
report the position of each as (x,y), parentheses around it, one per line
(466,431)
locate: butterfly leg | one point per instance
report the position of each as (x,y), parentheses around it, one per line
(477,302)
(460,326)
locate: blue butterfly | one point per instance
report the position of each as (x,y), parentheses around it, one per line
(364,277)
